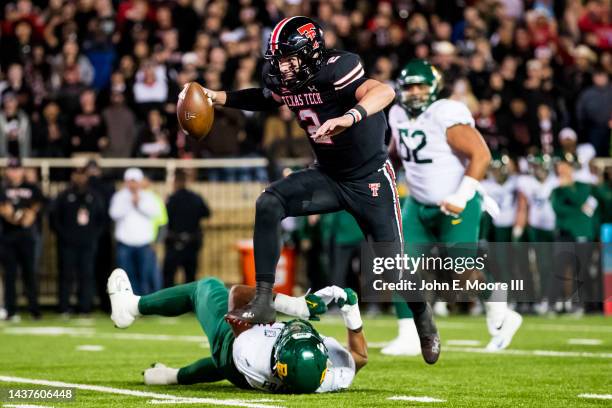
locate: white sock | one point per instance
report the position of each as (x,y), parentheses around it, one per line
(406,326)
(133,306)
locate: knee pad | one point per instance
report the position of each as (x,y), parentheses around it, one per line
(269,208)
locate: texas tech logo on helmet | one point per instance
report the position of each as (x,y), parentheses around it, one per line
(309,31)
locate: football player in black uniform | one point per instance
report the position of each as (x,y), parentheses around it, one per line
(341,111)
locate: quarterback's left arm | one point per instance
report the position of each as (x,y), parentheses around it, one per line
(468,142)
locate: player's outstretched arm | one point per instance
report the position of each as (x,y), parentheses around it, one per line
(252,99)
(468,143)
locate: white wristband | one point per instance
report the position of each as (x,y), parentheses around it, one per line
(291,306)
(351,316)
(467,188)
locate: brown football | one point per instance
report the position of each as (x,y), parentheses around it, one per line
(195,111)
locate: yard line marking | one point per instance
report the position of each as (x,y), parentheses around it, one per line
(585,342)
(415,399)
(88,332)
(199,401)
(463,343)
(25,406)
(596,396)
(133,393)
(541,353)
(89,347)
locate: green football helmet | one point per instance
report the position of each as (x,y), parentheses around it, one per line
(417,72)
(540,165)
(500,167)
(300,357)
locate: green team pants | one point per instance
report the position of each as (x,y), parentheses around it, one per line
(426,224)
(539,241)
(207,298)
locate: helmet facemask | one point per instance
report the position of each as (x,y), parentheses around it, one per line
(415,100)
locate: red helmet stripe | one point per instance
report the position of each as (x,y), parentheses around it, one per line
(276,32)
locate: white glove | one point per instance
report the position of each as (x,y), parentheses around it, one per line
(160,374)
(464,193)
(350,310)
(331,294)
(589,206)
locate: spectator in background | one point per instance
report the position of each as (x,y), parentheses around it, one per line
(88,127)
(78,218)
(16,84)
(186,210)
(15,130)
(159,233)
(134,211)
(20,203)
(72,58)
(594,111)
(120,124)
(153,140)
(68,95)
(50,135)
(151,87)
(105,189)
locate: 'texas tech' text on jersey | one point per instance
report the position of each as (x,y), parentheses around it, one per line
(355,152)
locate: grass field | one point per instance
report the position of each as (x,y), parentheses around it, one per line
(550,364)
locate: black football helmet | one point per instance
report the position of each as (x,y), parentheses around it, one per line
(296,36)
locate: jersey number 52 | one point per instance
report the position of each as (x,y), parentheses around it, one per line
(412,154)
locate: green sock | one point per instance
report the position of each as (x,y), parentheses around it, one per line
(173,301)
(201,371)
(402,310)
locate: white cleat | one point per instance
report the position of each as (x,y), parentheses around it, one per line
(407,343)
(122,298)
(512,322)
(160,374)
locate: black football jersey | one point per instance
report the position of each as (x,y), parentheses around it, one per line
(355,152)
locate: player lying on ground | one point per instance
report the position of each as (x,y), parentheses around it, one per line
(283,357)
(445,158)
(341,111)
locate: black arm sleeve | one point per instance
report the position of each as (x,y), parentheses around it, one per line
(252,99)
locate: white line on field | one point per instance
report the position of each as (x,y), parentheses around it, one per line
(596,396)
(88,332)
(585,342)
(463,343)
(25,406)
(199,401)
(134,393)
(541,353)
(414,399)
(89,347)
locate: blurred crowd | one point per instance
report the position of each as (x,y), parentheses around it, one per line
(102,76)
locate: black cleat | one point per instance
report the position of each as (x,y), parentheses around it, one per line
(260,310)
(430,348)
(428,335)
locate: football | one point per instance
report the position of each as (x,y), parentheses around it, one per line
(195,111)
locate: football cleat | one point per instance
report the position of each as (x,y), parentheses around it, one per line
(506,331)
(260,310)
(440,309)
(122,298)
(428,335)
(160,374)
(496,313)
(407,343)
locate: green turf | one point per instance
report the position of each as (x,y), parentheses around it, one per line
(462,379)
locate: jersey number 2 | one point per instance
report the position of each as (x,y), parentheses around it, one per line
(308,115)
(413,154)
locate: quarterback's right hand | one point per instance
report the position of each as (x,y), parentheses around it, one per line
(211,94)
